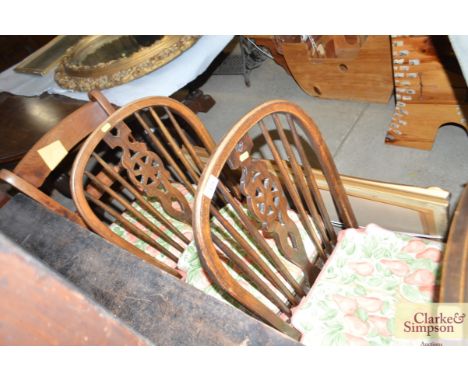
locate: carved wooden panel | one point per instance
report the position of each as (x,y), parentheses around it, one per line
(147,172)
(267,202)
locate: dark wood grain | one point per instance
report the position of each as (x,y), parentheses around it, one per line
(151,302)
(26,119)
(32,171)
(40,307)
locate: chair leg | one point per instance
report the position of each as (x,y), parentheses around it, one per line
(36,194)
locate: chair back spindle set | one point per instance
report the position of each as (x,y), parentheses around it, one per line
(280,201)
(361,277)
(134,176)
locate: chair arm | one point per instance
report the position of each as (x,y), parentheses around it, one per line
(34,193)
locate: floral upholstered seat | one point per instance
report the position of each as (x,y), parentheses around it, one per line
(369,273)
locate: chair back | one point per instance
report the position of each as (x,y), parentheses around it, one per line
(277,234)
(135,175)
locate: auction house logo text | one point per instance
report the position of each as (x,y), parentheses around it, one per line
(423,322)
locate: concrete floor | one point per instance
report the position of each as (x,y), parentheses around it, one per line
(354,131)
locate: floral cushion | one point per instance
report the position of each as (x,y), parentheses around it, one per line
(190,263)
(186,229)
(354,299)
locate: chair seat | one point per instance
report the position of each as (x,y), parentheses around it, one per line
(371,271)
(190,263)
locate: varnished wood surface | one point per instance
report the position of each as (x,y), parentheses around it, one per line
(266,202)
(28,189)
(39,307)
(428,66)
(418,128)
(454,281)
(69,131)
(26,119)
(430,90)
(153,137)
(361,73)
(39,163)
(159,307)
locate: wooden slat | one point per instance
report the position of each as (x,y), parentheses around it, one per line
(292,191)
(253,256)
(311,182)
(133,229)
(187,144)
(260,240)
(133,211)
(175,147)
(149,207)
(168,157)
(250,275)
(298,177)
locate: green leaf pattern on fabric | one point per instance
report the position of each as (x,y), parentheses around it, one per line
(353,301)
